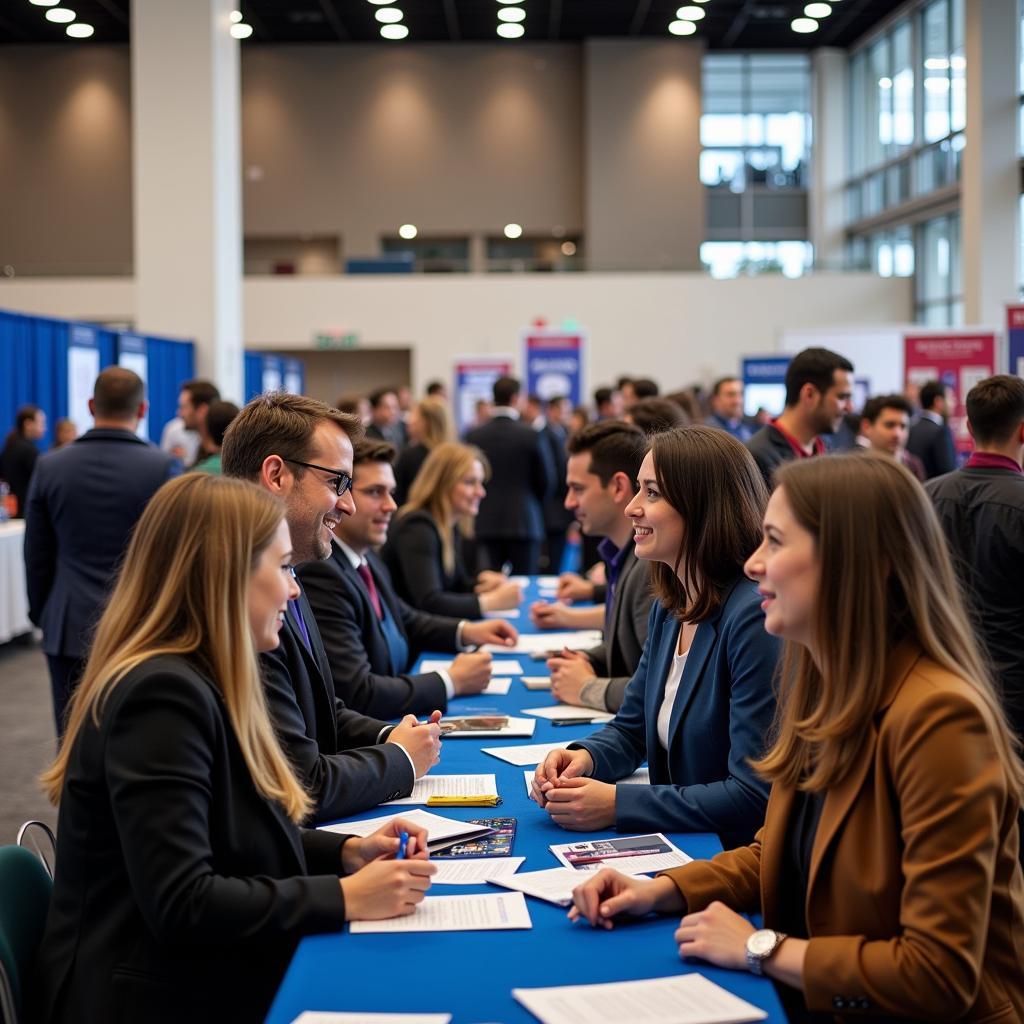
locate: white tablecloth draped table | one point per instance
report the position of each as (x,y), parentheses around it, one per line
(13,596)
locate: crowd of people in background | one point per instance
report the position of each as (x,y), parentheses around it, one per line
(232,621)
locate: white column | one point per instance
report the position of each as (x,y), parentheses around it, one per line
(825,200)
(990,187)
(186,143)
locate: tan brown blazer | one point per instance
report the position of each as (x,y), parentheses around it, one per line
(915,901)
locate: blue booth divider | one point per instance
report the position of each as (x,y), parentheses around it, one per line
(268,371)
(34,369)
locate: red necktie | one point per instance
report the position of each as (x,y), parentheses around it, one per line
(371,587)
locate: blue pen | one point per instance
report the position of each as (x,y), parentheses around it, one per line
(403,842)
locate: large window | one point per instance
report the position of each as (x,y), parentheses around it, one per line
(738,259)
(755,123)
(939,285)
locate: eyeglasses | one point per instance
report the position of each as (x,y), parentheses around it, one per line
(340,481)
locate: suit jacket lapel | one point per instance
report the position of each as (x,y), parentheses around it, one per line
(693,672)
(773,845)
(369,613)
(628,567)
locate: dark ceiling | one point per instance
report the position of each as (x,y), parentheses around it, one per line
(729,24)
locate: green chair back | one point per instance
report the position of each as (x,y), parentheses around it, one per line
(25,888)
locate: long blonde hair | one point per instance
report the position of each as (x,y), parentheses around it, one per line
(436,422)
(886,575)
(183,591)
(431,492)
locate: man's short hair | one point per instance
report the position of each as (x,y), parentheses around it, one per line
(505,389)
(721,382)
(874,407)
(218,419)
(278,423)
(614,446)
(815,366)
(369,449)
(557,400)
(26,414)
(202,392)
(118,393)
(653,415)
(602,396)
(995,408)
(377,396)
(930,393)
(644,387)
(435,387)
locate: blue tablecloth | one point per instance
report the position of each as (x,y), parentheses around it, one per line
(471,974)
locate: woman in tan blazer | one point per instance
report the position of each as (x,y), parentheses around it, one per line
(886,870)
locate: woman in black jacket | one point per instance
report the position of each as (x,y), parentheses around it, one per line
(424,548)
(183,883)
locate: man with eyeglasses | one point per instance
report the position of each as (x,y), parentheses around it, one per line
(301,450)
(372,636)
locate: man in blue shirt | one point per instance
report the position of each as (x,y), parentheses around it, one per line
(727,409)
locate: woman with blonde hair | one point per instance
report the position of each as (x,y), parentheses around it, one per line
(886,870)
(424,548)
(183,882)
(429,424)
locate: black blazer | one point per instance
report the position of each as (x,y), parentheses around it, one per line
(414,558)
(770,450)
(407,466)
(83,502)
(17,461)
(522,479)
(357,648)
(180,892)
(616,659)
(556,515)
(340,754)
(933,444)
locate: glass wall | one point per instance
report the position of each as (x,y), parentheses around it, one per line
(736,259)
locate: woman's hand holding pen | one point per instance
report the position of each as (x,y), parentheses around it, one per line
(384,844)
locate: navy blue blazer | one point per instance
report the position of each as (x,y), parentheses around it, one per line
(83,502)
(721,717)
(365,676)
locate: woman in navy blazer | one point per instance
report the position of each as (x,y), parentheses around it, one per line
(701,701)
(183,883)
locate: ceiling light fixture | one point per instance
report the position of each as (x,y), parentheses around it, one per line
(803,25)
(507,31)
(682,28)
(388,15)
(818,10)
(513,230)
(380,3)
(408,232)
(241,30)
(44,3)
(235,17)
(79,30)
(60,15)
(394,31)
(690,13)
(511,14)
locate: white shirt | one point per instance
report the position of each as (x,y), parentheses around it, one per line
(675,674)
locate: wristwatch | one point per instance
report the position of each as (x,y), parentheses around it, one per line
(760,946)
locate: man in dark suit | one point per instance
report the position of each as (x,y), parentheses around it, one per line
(819,392)
(371,635)
(727,409)
(930,438)
(604,462)
(82,504)
(301,450)
(386,418)
(18,459)
(555,432)
(510,525)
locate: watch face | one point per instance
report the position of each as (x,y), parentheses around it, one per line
(761,942)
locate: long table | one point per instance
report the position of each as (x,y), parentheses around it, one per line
(13,595)
(471,974)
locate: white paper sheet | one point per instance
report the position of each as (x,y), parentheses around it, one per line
(569,712)
(593,854)
(319,1017)
(520,581)
(682,999)
(448,785)
(497,687)
(438,828)
(537,682)
(641,777)
(523,727)
(527,753)
(535,643)
(498,668)
(503,613)
(547,582)
(554,885)
(477,870)
(456,914)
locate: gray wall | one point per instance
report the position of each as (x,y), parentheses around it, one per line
(350,141)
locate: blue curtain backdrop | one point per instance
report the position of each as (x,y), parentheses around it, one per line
(34,369)
(253,375)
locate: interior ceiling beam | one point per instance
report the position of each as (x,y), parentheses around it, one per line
(739,23)
(555,19)
(114,11)
(640,12)
(451,19)
(842,18)
(334,20)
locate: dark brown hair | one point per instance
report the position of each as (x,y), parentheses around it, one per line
(369,449)
(281,424)
(118,393)
(614,446)
(995,408)
(712,481)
